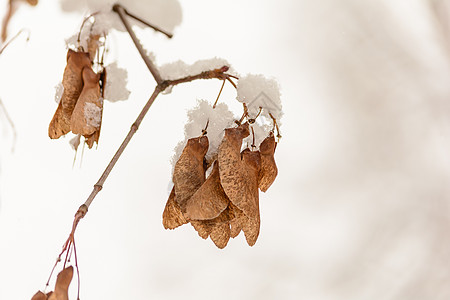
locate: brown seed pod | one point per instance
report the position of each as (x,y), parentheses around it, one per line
(73,85)
(39,296)
(234,174)
(189,171)
(172,216)
(62,285)
(215,228)
(236,223)
(220,234)
(269,168)
(209,200)
(86,117)
(251,224)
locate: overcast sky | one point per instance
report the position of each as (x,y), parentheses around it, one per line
(360,209)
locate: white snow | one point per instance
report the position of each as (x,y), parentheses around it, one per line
(93,114)
(180,69)
(59,90)
(162,13)
(219,119)
(116,83)
(258,91)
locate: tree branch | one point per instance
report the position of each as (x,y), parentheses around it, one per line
(121,12)
(211,74)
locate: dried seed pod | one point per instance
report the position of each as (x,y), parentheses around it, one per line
(220,235)
(39,296)
(87,115)
(269,168)
(205,227)
(234,176)
(62,285)
(172,216)
(251,224)
(236,223)
(73,85)
(189,171)
(209,200)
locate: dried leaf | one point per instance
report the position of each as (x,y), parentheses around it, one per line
(234,176)
(39,296)
(73,85)
(172,216)
(189,170)
(87,114)
(62,285)
(269,168)
(209,200)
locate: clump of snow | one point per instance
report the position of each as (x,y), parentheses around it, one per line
(180,69)
(217,119)
(59,90)
(93,114)
(258,91)
(116,83)
(162,13)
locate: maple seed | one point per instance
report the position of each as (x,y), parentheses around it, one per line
(172,215)
(39,296)
(234,176)
(189,171)
(87,114)
(269,168)
(251,224)
(73,85)
(209,200)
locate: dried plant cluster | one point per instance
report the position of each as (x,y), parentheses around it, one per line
(227,202)
(81,105)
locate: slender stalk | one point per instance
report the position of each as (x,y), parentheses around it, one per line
(121,12)
(156,28)
(99,185)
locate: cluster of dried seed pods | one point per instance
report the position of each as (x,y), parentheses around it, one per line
(61,287)
(81,105)
(227,202)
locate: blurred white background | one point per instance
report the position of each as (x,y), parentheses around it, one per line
(360,209)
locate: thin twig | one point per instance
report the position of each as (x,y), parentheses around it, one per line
(275,124)
(11,124)
(14,37)
(156,28)
(82,26)
(121,12)
(218,96)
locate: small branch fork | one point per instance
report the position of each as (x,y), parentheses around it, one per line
(160,87)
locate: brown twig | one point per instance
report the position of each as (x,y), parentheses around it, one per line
(275,124)
(156,28)
(217,73)
(121,12)
(13,38)
(11,124)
